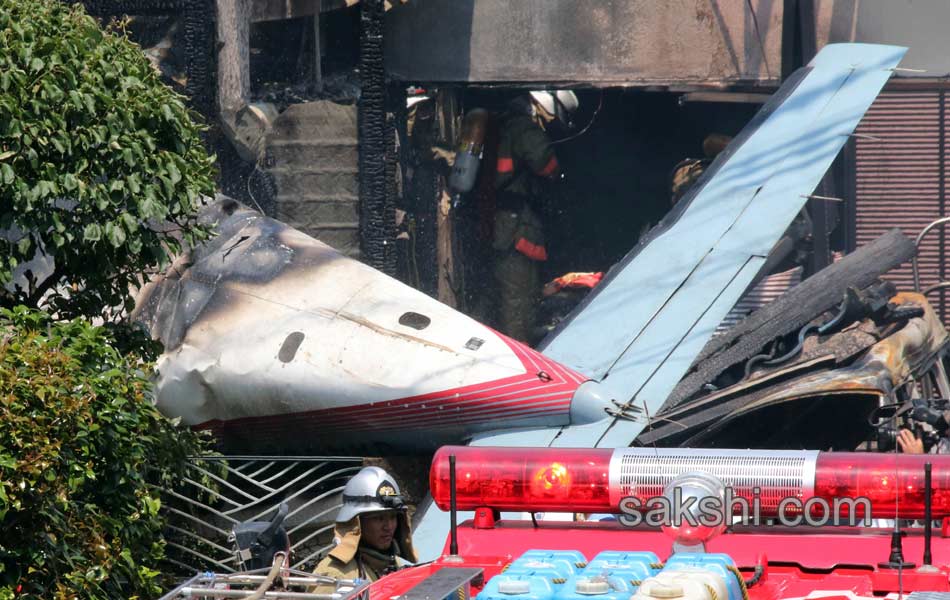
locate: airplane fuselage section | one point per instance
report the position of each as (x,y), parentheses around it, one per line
(275,339)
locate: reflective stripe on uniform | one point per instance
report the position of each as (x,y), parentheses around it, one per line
(550,168)
(531,250)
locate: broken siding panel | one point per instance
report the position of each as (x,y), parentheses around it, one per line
(899,180)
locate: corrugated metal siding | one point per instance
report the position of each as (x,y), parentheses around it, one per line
(899,179)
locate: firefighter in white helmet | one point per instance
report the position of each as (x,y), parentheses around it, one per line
(526,164)
(372,532)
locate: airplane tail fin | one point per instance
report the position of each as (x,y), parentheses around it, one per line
(640,330)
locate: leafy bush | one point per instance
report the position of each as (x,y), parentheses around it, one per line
(101,165)
(81,451)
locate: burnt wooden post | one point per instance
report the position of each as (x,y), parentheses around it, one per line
(233,25)
(377,212)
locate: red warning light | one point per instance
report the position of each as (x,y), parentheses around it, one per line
(553,481)
(518,478)
(893,484)
(579,479)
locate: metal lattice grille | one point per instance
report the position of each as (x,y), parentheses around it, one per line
(220,492)
(644,472)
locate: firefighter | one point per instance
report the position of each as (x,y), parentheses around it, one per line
(372,532)
(688,171)
(526,165)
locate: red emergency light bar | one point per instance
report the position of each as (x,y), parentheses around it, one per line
(595,480)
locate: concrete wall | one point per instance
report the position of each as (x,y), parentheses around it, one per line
(640,42)
(921,25)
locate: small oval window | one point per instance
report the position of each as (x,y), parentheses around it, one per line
(414,320)
(289,348)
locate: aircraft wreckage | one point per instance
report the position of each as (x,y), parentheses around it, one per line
(277,342)
(829,365)
(814,365)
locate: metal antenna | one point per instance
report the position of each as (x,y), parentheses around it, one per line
(928,515)
(454,544)
(896,559)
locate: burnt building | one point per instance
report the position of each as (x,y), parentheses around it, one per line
(655,78)
(308,99)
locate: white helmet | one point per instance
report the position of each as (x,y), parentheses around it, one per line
(561,103)
(413,100)
(370,490)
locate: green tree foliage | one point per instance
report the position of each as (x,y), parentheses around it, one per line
(101,172)
(81,451)
(101,165)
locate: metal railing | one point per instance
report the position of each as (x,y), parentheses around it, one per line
(221,491)
(913,261)
(296,584)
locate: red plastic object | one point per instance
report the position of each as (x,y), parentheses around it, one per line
(512,479)
(892,483)
(815,552)
(578,480)
(484,518)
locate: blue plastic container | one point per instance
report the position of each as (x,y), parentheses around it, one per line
(718,563)
(598,587)
(523,586)
(639,565)
(566,562)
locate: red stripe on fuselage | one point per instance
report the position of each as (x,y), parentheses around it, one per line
(383,410)
(467,406)
(543,409)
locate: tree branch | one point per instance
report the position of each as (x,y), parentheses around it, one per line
(57,274)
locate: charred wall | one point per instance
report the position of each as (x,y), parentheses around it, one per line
(640,42)
(188,63)
(197,36)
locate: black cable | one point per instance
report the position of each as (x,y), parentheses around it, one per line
(593,117)
(756,575)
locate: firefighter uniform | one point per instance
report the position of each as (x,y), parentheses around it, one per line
(525,161)
(371,491)
(351,560)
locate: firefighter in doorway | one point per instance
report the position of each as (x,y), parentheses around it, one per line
(526,164)
(689,170)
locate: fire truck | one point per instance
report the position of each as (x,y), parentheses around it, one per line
(666,523)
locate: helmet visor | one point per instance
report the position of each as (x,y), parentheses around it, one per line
(387,502)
